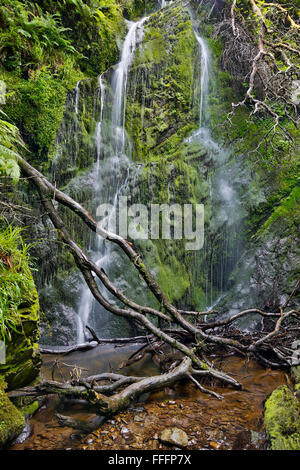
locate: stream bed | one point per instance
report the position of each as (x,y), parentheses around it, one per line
(233,423)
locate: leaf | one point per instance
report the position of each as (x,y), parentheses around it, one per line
(24,33)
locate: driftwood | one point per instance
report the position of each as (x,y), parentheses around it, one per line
(95,341)
(183,335)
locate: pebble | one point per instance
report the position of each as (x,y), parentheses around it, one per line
(174,436)
(124,430)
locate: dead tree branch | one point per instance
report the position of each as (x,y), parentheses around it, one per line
(180,329)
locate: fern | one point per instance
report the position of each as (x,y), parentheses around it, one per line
(9,142)
(16,283)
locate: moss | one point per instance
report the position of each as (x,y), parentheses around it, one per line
(11,419)
(19,312)
(295,371)
(30,409)
(135,9)
(160,111)
(45,51)
(282,419)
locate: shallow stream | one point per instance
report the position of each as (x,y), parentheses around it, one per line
(234,423)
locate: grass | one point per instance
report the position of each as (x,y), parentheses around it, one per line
(16,283)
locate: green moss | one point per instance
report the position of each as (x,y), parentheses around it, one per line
(160,111)
(46,49)
(135,9)
(295,371)
(30,409)
(282,419)
(11,419)
(19,311)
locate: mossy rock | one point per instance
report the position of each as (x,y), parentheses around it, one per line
(282,419)
(295,372)
(12,420)
(23,359)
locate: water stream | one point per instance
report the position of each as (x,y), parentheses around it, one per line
(116,164)
(201,416)
(208,425)
(114,168)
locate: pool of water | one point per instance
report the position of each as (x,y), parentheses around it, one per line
(209,423)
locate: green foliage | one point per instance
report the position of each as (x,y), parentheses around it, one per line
(46,47)
(31,37)
(9,141)
(17,289)
(11,419)
(36,107)
(282,419)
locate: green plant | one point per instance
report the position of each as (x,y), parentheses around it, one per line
(9,141)
(16,283)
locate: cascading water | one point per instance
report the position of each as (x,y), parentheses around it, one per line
(119,84)
(112,177)
(77,97)
(225,206)
(204,81)
(115,174)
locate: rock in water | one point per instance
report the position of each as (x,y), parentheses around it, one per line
(87,426)
(174,436)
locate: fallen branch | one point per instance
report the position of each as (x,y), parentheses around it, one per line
(180,330)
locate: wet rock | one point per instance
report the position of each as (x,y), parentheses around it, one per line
(87,426)
(242,440)
(24,434)
(174,436)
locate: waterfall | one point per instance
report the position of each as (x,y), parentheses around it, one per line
(114,171)
(99,123)
(204,81)
(114,168)
(224,199)
(120,82)
(77,97)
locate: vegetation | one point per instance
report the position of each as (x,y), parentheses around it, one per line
(11,419)
(282,419)
(16,284)
(9,141)
(46,47)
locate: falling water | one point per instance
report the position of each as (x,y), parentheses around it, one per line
(223,197)
(205,62)
(99,123)
(120,82)
(116,168)
(77,97)
(114,165)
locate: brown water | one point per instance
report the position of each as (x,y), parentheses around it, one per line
(208,422)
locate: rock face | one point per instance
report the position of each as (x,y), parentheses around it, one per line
(240,265)
(174,436)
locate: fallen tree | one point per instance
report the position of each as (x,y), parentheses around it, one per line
(262,50)
(188,333)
